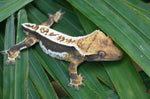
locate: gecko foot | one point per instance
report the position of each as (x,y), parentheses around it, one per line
(12,55)
(57,15)
(53,18)
(77,82)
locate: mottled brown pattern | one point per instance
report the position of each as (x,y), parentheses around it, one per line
(73,41)
(30,41)
(28,25)
(91,42)
(35,27)
(52,34)
(85,43)
(49,22)
(44,30)
(60,38)
(70,40)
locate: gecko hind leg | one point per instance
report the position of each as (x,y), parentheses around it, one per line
(75,79)
(14,51)
(53,18)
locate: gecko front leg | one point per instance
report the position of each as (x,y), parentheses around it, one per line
(53,18)
(14,51)
(75,79)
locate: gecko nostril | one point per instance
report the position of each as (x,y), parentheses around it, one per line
(120,56)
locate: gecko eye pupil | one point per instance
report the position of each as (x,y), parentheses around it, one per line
(101,53)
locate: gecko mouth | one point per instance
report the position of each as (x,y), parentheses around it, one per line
(96,58)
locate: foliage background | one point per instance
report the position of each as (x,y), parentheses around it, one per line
(36,75)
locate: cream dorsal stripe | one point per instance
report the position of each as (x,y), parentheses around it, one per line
(53,35)
(57,37)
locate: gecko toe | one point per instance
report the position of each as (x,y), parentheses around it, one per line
(62,13)
(18,57)
(82,84)
(76,88)
(69,85)
(13,63)
(83,77)
(6,63)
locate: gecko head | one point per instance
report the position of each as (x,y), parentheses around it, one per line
(29,27)
(103,49)
(111,53)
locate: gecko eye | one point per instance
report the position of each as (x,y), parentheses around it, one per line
(101,54)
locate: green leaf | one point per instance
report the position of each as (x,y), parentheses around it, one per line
(33,94)
(1,64)
(9,70)
(126,79)
(39,78)
(114,26)
(8,7)
(140,8)
(146,79)
(135,22)
(112,93)
(21,66)
(140,5)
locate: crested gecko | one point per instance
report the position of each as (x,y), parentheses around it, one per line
(92,47)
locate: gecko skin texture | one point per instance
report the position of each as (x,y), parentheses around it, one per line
(95,46)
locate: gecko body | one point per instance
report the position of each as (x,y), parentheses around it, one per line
(92,47)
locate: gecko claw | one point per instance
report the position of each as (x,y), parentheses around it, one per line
(18,57)
(76,88)
(69,85)
(13,63)
(82,84)
(6,63)
(50,15)
(62,13)
(83,77)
